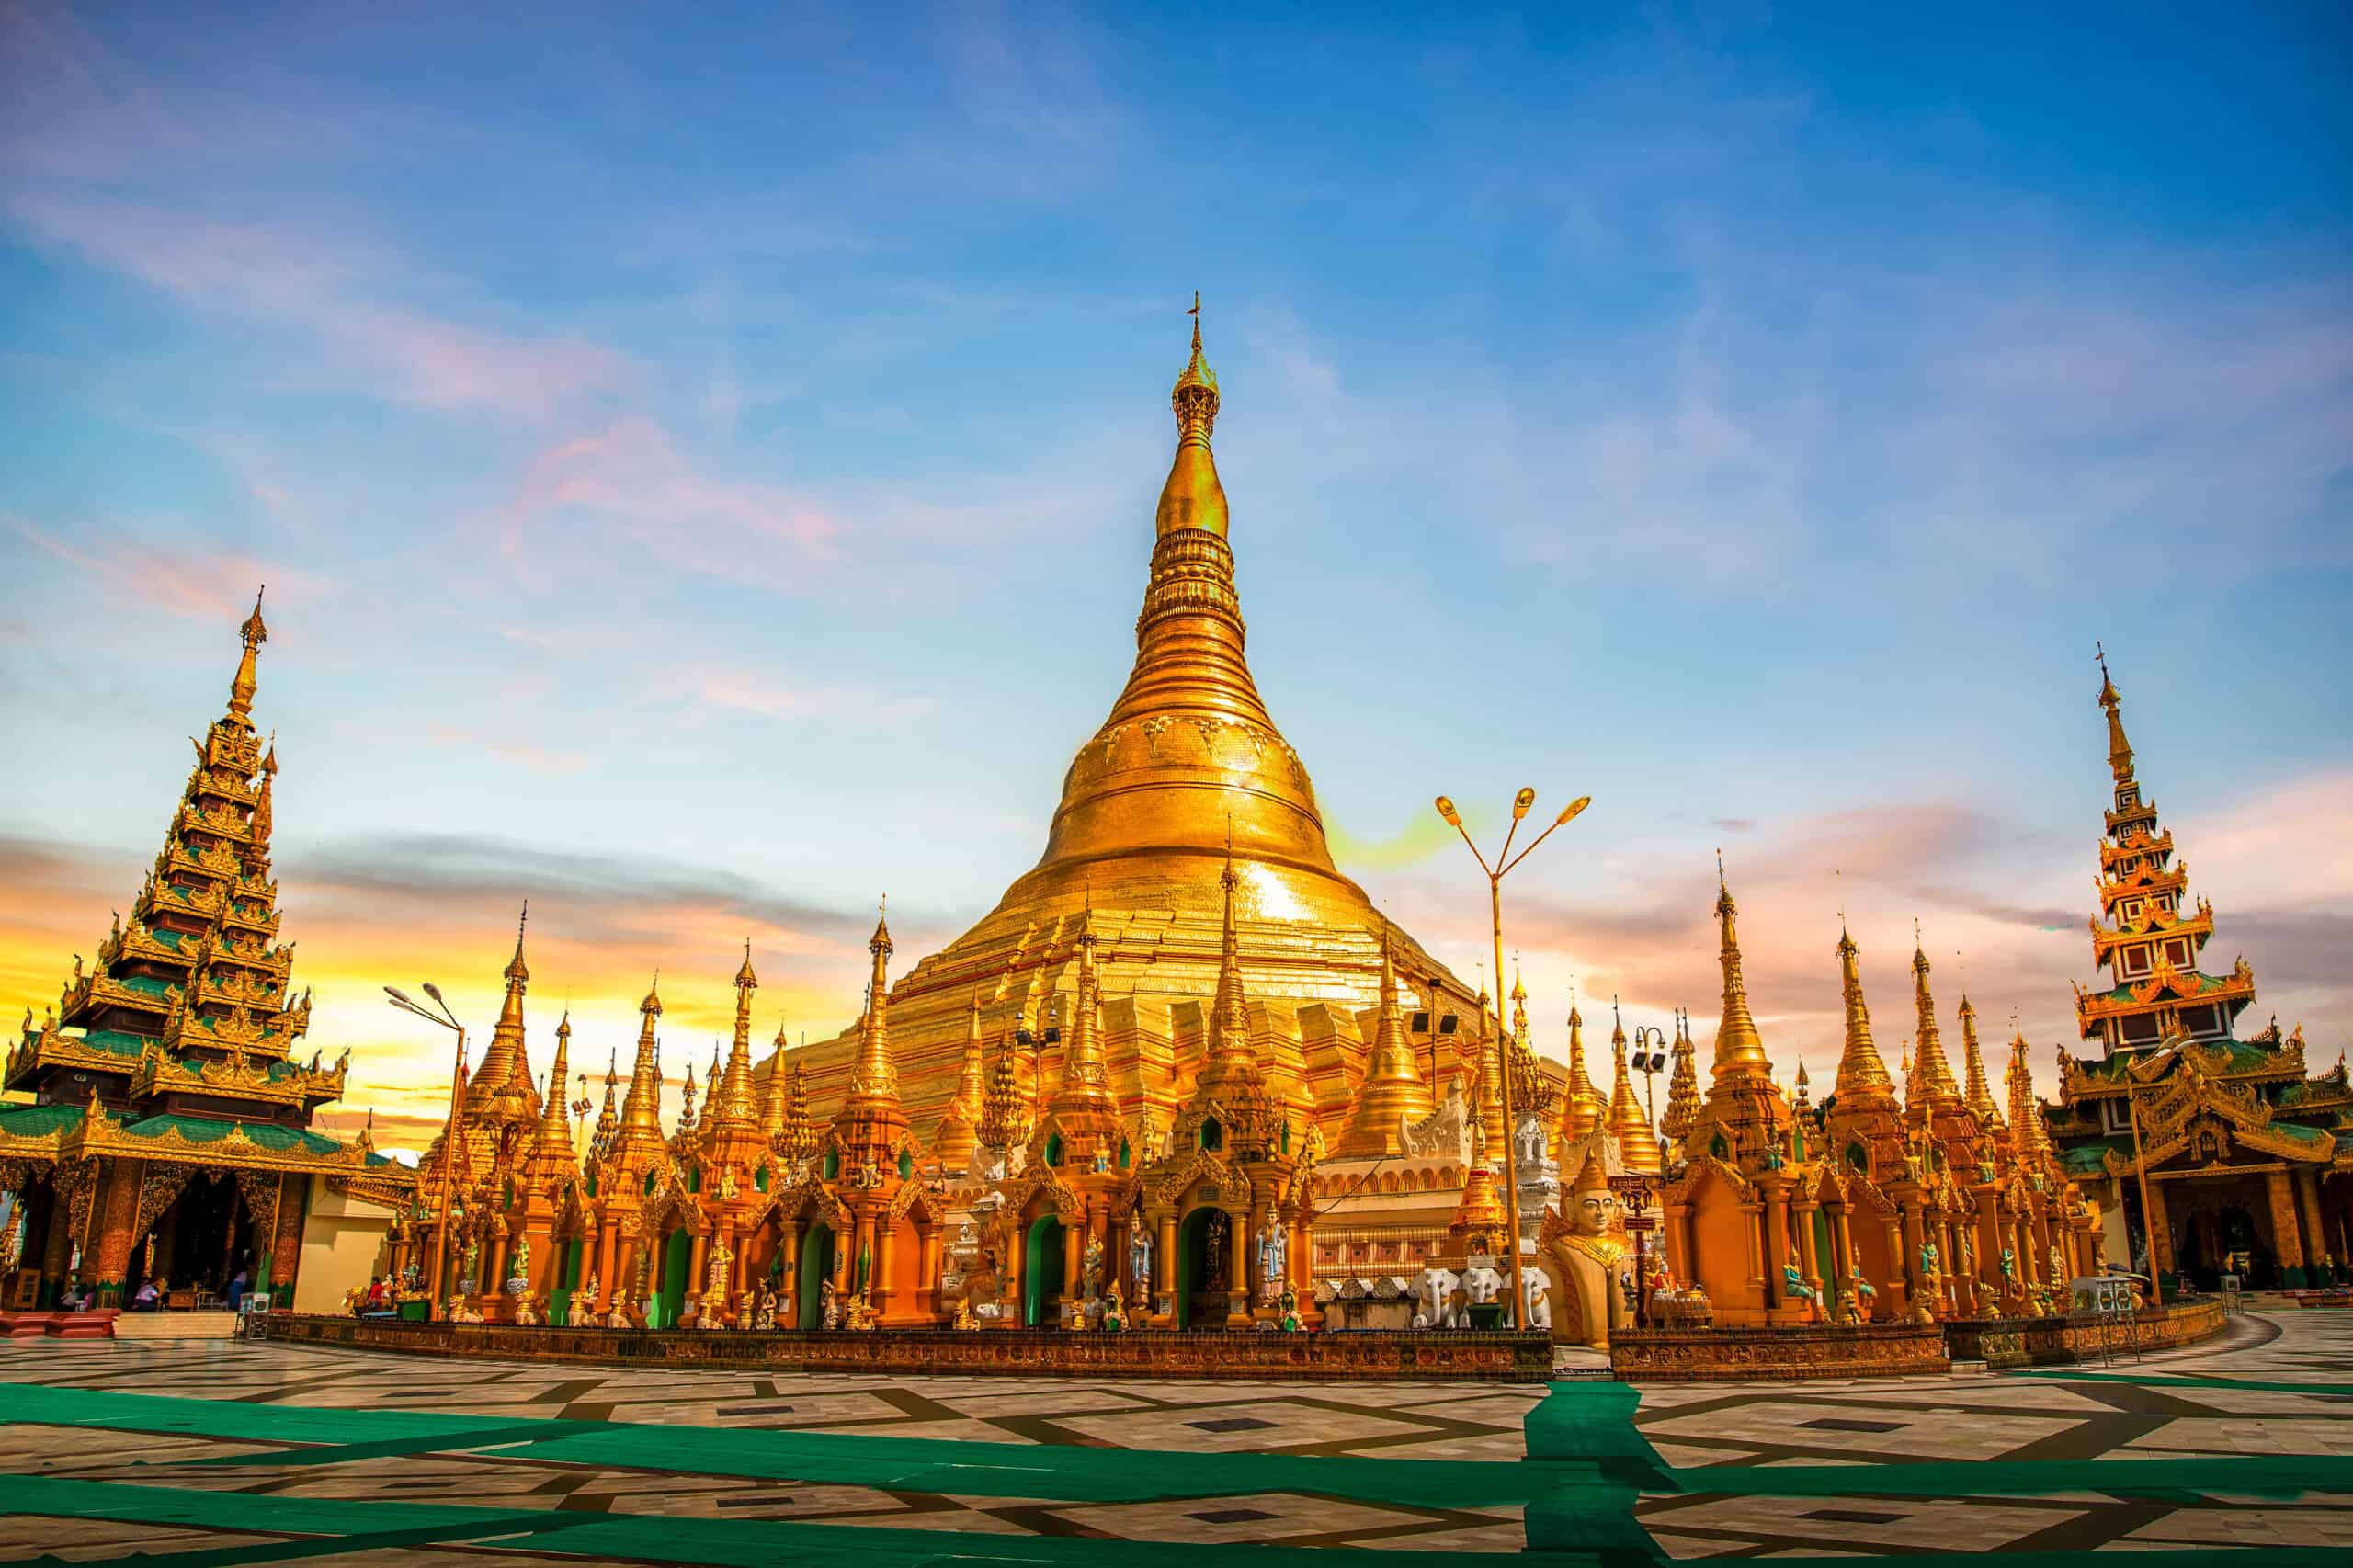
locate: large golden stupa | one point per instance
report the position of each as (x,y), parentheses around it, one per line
(1188,769)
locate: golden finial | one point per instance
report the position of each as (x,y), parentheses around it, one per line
(241,688)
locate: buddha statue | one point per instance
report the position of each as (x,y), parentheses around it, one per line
(1586,1253)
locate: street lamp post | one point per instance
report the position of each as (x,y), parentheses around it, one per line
(1650,1055)
(1505,862)
(450,1136)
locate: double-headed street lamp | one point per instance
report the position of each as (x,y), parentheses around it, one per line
(1649,1056)
(1503,865)
(449,1137)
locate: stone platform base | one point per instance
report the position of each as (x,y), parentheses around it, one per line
(1775,1354)
(1029,1353)
(175,1326)
(96,1323)
(2046,1342)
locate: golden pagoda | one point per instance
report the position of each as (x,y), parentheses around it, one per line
(1392,1094)
(1187,764)
(1584,1110)
(171,1056)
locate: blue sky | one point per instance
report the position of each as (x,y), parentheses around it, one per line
(704,466)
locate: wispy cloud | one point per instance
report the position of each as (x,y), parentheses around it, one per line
(162,577)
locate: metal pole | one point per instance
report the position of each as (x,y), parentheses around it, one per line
(2141,1171)
(1511,1123)
(449,1155)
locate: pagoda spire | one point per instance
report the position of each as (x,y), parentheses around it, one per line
(1391,1092)
(953,1140)
(1740,1050)
(733,1107)
(1935,1079)
(773,1096)
(608,1121)
(1229,1025)
(553,1156)
(1582,1110)
(1085,1082)
(2027,1127)
(241,686)
(1683,1088)
(2120,750)
(1862,1076)
(1637,1144)
(502,1089)
(1979,1093)
(642,1108)
(875,1076)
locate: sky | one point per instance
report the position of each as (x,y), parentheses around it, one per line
(702,465)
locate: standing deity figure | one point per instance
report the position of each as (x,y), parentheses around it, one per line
(1090,1265)
(2058,1264)
(829,1305)
(472,1261)
(721,1261)
(519,1266)
(1274,1255)
(1592,1263)
(1140,1258)
(1219,1239)
(586,1297)
(1930,1266)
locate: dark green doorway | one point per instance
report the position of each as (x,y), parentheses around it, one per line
(1042,1273)
(677,1261)
(816,1267)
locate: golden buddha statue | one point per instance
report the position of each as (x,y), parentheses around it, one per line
(1589,1261)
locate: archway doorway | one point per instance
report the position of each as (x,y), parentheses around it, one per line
(1042,1273)
(1204,1257)
(677,1261)
(816,1267)
(204,1239)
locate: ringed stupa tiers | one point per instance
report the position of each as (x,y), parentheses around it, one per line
(1187,766)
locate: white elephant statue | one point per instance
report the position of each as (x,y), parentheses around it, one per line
(1437,1294)
(1482,1284)
(1540,1301)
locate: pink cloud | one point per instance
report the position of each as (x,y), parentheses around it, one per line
(631,475)
(713,690)
(208,587)
(323,288)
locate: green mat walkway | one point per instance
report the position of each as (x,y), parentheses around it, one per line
(1586,1466)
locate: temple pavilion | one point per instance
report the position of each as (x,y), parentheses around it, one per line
(167,1135)
(2247,1161)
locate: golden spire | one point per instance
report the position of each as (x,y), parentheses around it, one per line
(2033,1138)
(501,1088)
(1980,1094)
(686,1097)
(241,688)
(1189,740)
(875,1076)
(1230,1016)
(642,1110)
(1683,1089)
(1004,1105)
(1391,1091)
(2120,750)
(803,1133)
(608,1121)
(1582,1110)
(1193,498)
(1519,1004)
(1637,1144)
(1085,1082)
(953,1139)
(1862,1076)
(1740,1051)
(553,1156)
(731,1106)
(772,1097)
(1936,1081)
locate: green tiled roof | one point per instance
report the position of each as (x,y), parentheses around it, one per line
(147,985)
(2089,1158)
(205,1129)
(39,1120)
(114,1042)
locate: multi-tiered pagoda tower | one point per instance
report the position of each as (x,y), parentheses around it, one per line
(169,1065)
(2248,1163)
